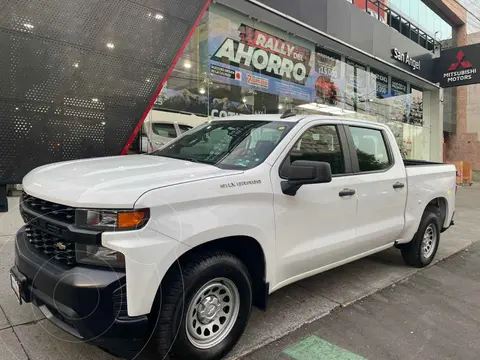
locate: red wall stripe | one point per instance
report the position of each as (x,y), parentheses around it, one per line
(162,83)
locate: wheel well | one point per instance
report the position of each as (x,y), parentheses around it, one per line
(249,251)
(439,207)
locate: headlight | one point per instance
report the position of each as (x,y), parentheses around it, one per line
(111,220)
(99,256)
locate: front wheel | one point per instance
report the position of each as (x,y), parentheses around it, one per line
(204,307)
(422,249)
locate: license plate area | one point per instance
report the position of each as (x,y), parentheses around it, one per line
(16,287)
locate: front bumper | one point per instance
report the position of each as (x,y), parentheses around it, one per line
(89,303)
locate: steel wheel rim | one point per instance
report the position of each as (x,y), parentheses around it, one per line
(429,241)
(212,313)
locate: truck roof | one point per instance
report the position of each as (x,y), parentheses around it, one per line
(293,119)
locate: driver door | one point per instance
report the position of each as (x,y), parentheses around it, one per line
(316,227)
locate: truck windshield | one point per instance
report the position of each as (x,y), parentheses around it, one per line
(229,144)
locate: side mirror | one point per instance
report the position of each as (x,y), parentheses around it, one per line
(303,172)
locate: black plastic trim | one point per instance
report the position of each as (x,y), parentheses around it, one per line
(262,295)
(63,230)
(79,300)
(408,162)
(452,223)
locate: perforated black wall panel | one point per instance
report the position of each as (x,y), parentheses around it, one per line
(77,75)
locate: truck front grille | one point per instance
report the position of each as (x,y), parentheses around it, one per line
(63,213)
(51,246)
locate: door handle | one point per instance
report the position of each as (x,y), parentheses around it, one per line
(398,185)
(346,192)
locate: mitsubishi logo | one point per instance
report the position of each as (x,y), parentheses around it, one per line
(464,64)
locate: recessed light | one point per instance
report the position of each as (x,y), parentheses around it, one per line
(201,91)
(29,26)
(95,100)
(110,45)
(103,123)
(187,65)
(17,108)
(76,65)
(148,80)
(159,16)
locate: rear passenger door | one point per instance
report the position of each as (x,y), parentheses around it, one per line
(380,181)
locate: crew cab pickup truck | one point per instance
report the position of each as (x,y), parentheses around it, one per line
(176,246)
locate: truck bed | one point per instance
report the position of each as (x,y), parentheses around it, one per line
(427,180)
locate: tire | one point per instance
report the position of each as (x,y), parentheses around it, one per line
(417,252)
(221,314)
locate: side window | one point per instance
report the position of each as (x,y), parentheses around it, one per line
(165,130)
(319,143)
(371,149)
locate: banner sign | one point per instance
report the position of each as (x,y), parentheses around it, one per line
(459,66)
(266,54)
(257,59)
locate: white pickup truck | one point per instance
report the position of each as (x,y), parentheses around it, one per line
(177,245)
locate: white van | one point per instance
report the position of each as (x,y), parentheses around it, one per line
(161,127)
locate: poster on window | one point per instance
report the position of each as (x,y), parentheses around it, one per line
(381,83)
(356,84)
(219,102)
(257,59)
(400,109)
(399,87)
(327,84)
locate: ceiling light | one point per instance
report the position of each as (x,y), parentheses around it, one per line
(76,65)
(95,100)
(29,26)
(187,65)
(280,106)
(148,80)
(103,123)
(110,45)
(159,16)
(201,91)
(244,100)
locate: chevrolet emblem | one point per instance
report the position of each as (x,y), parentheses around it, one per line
(60,246)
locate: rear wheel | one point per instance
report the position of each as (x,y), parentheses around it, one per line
(422,249)
(203,307)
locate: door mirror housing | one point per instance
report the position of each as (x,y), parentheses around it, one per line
(303,172)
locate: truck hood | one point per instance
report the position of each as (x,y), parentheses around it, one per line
(113,182)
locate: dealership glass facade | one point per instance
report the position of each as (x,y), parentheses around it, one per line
(418,12)
(236,65)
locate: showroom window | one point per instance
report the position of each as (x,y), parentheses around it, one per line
(236,65)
